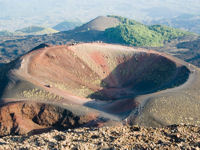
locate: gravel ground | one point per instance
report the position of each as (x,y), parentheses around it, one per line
(121,137)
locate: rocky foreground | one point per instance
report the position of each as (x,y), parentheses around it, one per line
(121,137)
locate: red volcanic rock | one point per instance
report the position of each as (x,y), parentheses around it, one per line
(16,118)
(31,117)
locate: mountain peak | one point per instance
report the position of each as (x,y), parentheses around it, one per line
(100,23)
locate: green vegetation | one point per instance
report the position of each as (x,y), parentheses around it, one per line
(136,34)
(32,30)
(124,20)
(35,30)
(168,33)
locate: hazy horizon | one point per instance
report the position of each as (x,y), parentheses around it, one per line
(47,13)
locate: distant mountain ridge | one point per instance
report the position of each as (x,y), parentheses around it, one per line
(35,30)
(100,23)
(6,33)
(66,25)
(31,30)
(186,22)
(39,30)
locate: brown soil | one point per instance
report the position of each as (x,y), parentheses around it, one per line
(99,24)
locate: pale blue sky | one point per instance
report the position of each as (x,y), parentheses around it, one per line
(51,12)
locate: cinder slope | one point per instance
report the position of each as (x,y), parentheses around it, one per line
(97,83)
(99,24)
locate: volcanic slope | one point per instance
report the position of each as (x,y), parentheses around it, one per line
(94,84)
(100,23)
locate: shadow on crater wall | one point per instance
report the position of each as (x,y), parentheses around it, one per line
(143,73)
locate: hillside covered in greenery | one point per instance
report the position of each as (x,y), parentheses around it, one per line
(35,30)
(136,34)
(31,30)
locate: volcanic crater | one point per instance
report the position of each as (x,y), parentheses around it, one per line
(105,72)
(94,81)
